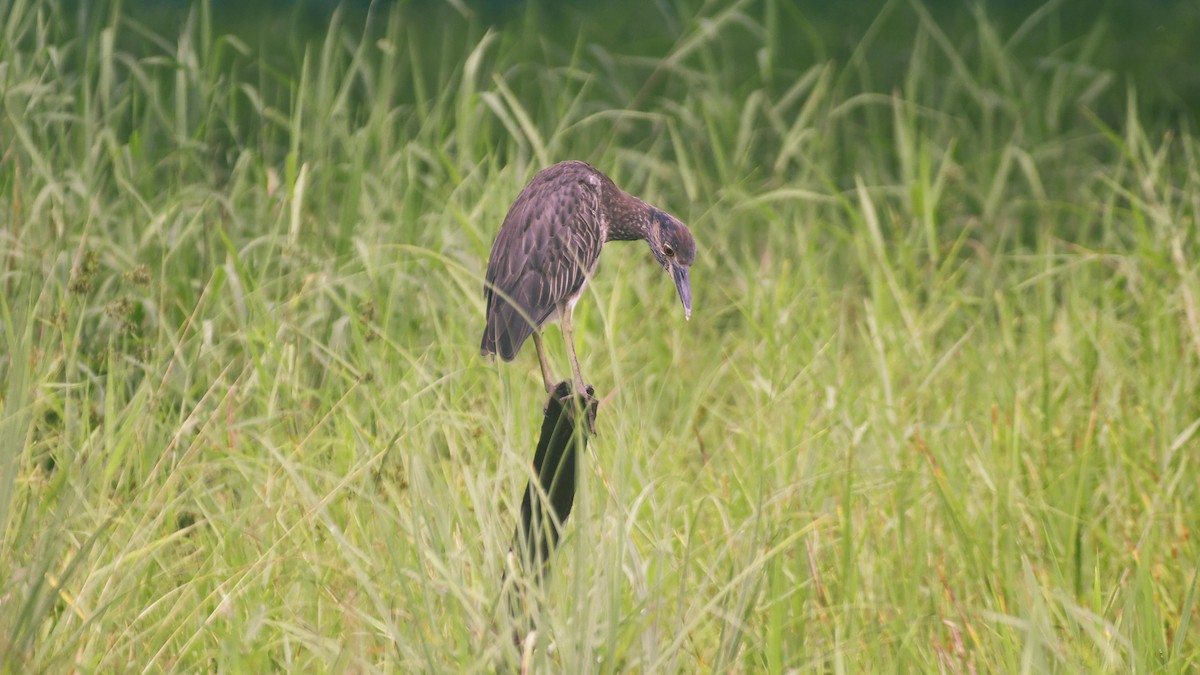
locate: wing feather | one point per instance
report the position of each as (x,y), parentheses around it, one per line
(546,250)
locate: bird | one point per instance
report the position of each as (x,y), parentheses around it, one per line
(547,250)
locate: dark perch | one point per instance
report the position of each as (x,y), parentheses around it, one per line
(554,463)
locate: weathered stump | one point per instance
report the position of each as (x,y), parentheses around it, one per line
(547,503)
(555,463)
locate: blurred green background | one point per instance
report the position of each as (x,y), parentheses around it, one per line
(1151,43)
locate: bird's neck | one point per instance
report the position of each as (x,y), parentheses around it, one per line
(628,217)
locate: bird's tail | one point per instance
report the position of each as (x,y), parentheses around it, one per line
(505,332)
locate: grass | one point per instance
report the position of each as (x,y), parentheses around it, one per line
(936,408)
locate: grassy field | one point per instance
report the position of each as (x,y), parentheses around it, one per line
(937,407)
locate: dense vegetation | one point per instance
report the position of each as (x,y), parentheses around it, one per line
(937,406)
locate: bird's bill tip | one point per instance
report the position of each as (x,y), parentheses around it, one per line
(684,286)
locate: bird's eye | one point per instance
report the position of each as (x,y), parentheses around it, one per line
(668,251)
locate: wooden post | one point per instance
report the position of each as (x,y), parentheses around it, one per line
(555,463)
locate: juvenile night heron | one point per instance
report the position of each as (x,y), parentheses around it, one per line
(548,248)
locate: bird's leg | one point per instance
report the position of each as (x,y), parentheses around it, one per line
(564,311)
(541,352)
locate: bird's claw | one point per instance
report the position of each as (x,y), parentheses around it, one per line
(587,402)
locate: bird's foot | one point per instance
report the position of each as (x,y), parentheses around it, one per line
(568,399)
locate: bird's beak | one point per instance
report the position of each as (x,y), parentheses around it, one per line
(680,273)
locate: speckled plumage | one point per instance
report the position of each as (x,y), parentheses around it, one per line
(550,243)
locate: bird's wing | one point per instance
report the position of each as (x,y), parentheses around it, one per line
(548,245)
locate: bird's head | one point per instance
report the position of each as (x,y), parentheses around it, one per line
(675,249)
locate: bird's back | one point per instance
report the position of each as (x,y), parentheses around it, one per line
(545,252)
